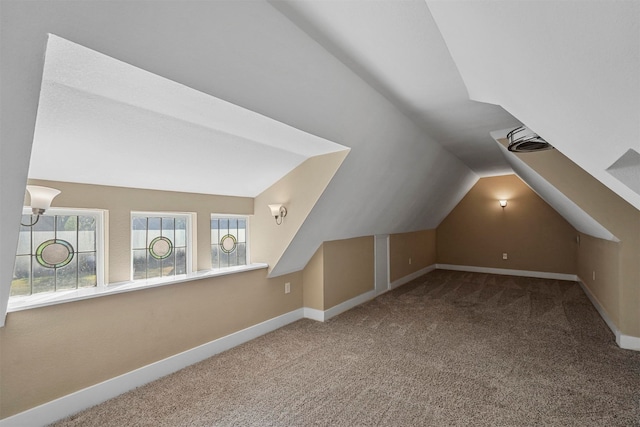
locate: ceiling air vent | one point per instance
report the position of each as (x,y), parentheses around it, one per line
(524,140)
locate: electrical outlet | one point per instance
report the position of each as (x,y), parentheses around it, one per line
(504,255)
(409,261)
(287,288)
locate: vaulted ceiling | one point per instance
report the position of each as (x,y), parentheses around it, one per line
(413,88)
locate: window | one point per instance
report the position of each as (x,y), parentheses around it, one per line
(228,241)
(63,250)
(160,245)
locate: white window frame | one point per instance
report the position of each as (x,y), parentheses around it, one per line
(247,236)
(100,217)
(190,248)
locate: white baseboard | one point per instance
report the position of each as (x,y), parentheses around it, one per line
(62,407)
(349,304)
(321,316)
(508,272)
(90,396)
(627,342)
(313,314)
(410,277)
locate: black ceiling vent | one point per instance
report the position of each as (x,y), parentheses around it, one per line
(524,140)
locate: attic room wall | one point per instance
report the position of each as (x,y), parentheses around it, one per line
(49,352)
(617,216)
(298,191)
(348,269)
(417,246)
(534,236)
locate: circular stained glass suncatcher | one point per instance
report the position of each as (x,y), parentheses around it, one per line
(228,244)
(160,248)
(54,253)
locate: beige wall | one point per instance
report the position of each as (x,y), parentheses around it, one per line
(478,231)
(417,246)
(603,258)
(299,191)
(313,281)
(49,352)
(622,296)
(348,269)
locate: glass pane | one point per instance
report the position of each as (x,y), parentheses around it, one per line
(86,234)
(215,236)
(215,256)
(153,229)
(138,239)
(44,278)
(167,229)
(139,264)
(242,231)
(24,239)
(181,261)
(66,277)
(43,230)
(169,265)
(154,267)
(66,229)
(20,285)
(224,226)
(242,253)
(224,259)
(181,232)
(87,275)
(233,228)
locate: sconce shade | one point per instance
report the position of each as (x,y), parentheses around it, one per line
(275,209)
(278,211)
(41,198)
(503,203)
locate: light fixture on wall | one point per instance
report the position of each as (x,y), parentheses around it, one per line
(41,198)
(278,211)
(524,140)
(503,203)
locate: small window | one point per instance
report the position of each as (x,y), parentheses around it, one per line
(228,241)
(160,245)
(62,250)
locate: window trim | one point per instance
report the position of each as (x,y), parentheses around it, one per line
(101,217)
(247,236)
(190,247)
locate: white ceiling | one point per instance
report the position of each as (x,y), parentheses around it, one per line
(102,121)
(568,70)
(396,47)
(389,79)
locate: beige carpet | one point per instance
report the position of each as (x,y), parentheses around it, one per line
(449,348)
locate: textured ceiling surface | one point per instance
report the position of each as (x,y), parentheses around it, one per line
(102,121)
(396,47)
(572,74)
(412,87)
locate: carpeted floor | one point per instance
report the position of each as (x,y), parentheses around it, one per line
(449,348)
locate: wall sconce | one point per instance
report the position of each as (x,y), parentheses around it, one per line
(41,198)
(278,211)
(503,203)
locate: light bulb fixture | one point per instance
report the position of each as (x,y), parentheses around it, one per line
(41,198)
(524,140)
(278,211)
(503,203)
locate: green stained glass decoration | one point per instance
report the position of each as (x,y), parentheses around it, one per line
(160,247)
(54,253)
(228,244)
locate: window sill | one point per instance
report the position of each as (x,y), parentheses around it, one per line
(20,303)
